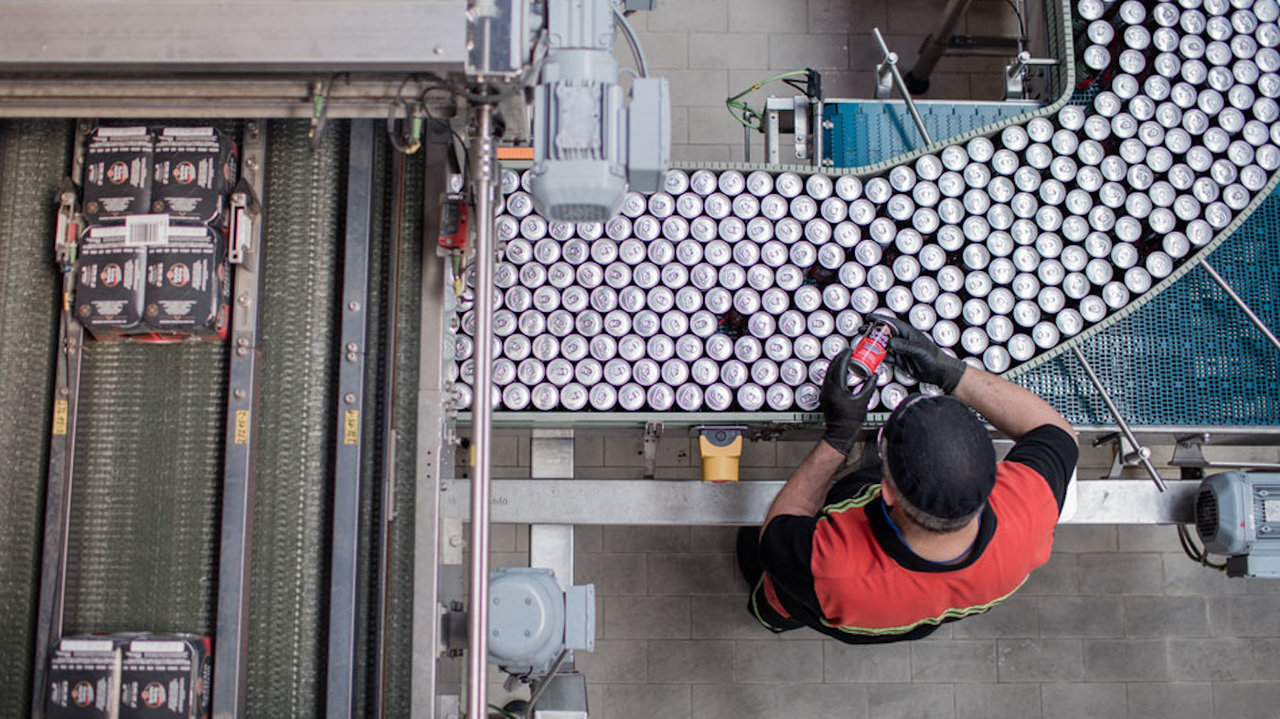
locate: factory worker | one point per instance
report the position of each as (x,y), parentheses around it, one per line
(930,531)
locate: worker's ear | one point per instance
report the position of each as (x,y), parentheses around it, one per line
(887,492)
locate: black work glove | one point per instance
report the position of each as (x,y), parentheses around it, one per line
(918,356)
(843,410)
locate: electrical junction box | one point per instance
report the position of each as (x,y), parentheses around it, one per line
(1238,515)
(531,620)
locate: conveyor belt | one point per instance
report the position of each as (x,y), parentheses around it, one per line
(34,157)
(1189,356)
(289,584)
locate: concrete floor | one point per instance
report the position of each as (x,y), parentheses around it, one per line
(1119,623)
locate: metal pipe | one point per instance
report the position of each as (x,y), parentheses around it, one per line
(1124,426)
(1257,321)
(484,176)
(935,45)
(891,60)
(546,681)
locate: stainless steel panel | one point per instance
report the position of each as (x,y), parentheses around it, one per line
(104,36)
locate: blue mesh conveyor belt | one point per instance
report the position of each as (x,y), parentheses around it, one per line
(1189,356)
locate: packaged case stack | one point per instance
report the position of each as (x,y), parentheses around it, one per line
(84,679)
(166,676)
(153,260)
(131,676)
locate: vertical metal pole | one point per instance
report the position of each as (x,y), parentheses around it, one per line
(433,447)
(933,47)
(1143,457)
(345,565)
(239,469)
(1255,319)
(62,445)
(483,174)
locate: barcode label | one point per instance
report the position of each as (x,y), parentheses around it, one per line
(146,230)
(187,132)
(135,131)
(87,645)
(150,646)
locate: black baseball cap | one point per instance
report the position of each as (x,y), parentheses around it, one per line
(939,456)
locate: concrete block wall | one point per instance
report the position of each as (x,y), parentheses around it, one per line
(709,49)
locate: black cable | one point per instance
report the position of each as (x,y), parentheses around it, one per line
(1022,28)
(1196,554)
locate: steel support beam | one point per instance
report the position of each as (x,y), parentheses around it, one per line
(434,442)
(239,468)
(647,502)
(233,36)
(62,442)
(344,597)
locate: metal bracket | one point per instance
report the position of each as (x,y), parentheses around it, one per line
(246,211)
(1188,452)
(1120,458)
(652,433)
(1015,74)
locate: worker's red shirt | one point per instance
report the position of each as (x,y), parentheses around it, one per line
(848,574)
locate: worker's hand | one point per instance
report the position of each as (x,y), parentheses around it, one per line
(843,410)
(919,357)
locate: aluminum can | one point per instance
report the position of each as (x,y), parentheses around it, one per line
(1137,280)
(1099,271)
(762,325)
(703,276)
(530,371)
(718,397)
(632,397)
(604,347)
(803,254)
(950,278)
(773,207)
(945,333)
(574,348)
(603,397)
(1021,347)
(879,278)
(832,256)
(1045,335)
(734,373)
(788,184)
(661,205)
(864,300)
(1115,295)
(978,283)
(788,277)
(808,397)
(954,158)
(559,371)
(732,277)
(807,348)
(759,183)
(718,347)
(999,328)
(1026,313)
(878,190)
(808,298)
(705,371)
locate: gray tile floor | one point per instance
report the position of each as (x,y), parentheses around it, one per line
(1118,624)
